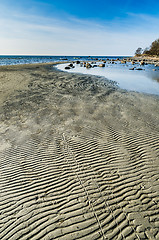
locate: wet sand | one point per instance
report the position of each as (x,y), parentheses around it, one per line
(79,157)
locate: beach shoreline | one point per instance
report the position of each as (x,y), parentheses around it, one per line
(147,59)
(79,157)
(152,58)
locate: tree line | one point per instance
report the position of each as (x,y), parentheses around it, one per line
(150,51)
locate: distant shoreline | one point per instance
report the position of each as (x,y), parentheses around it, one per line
(148,58)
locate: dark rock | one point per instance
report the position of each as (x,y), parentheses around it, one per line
(139,69)
(131,68)
(70,65)
(67,67)
(77,62)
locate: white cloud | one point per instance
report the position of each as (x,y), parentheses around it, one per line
(30,34)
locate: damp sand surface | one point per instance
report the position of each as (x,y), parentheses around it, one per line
(79,157)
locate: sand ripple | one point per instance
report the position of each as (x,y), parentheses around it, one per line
(81,161)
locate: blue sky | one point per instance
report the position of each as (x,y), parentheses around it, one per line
(59,27)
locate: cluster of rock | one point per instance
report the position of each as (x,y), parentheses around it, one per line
(135,61)
(143,61)
(87,64)
(70,66)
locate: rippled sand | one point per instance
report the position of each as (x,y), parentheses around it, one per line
(79,157)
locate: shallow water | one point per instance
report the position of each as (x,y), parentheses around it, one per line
(146,81)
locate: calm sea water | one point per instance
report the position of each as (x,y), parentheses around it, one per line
(14,60)
(146,81)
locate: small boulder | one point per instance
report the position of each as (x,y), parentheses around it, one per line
(67,67)
(88,65)
(101,65)
(139,69)
(77,62)
(131,68)
(70,65)
(123,61)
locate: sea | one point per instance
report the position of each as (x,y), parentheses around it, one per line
(145,81)
(14,60)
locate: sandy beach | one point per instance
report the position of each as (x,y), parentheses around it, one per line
(79,157)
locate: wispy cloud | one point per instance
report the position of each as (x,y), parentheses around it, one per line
(23,33)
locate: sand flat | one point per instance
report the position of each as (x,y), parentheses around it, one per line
(79,157)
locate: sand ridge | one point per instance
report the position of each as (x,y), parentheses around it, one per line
(79,159)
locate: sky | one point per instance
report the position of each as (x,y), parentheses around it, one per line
(77,27)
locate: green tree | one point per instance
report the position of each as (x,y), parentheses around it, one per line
(154,48)
(138,51)
(146,50)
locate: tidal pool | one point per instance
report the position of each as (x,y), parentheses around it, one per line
(146,80)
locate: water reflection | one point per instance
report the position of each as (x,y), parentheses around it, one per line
(154,75)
